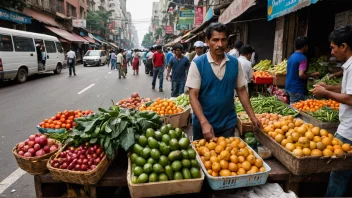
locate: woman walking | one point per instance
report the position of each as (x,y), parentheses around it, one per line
(43,56)
(125,62)
(135,63)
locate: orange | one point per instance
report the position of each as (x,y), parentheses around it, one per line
(241,145)
(262,169)
(234,158)
(246,165)
(221,138)
(225,173)
(258,163)
(241,171)
(337,147)
(346,147)
(233,174)
(216,166)
(211,145)
(215,174)
(219,148)
(241,159)
(225,155)
(327,153)
(232,167)
(338,152)
(214,159)
(251,159)
(326,141)
(207,165)
(222,143)
(224,164)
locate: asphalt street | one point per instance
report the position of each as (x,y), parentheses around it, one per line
(23,106)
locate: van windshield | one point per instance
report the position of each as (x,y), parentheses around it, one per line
(93,53)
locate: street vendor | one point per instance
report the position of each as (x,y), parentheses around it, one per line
(341,47)
(296,77)
(211,80)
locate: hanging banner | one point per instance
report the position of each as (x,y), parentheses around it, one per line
(81,23)
(199,16)
(14,17)
(186,16)
(235,9)
(169,29)
(182,26)
(277,8)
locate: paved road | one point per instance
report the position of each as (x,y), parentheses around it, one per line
(23,106)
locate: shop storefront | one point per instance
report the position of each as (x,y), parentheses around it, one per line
(13,20)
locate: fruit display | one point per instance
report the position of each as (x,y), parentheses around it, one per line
(262,74)
(83,158)
(262,104)
(36,145)
(182,100)
(162,107)
(279,69)
(163,155)
(228,157)
(312,105)
(133,102)
(64,120)
(263,65)
(303,139)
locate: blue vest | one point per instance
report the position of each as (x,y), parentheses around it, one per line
(217,96)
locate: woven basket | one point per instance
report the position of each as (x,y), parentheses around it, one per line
(34,165)
(80,177)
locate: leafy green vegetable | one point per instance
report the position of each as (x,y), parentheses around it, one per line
(262,104)
(62,137)
(326,114)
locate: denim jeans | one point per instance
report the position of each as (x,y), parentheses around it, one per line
(296,97)
(113,63)
(71,67)
(198,134)
(156,72)
(338,182)
(178,88)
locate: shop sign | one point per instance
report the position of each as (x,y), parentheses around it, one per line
(186,16)
(235,9)
(277,8)
(169,29)
(14,17)
(199,16)
(182,26)
(81,23)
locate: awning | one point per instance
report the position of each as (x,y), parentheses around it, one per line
(114,45)
(178,39)
(204,24)
(280,8)
(235,9)
(188,40)
(78,37)
(61,15)
(66,35)
(89,39)
(40,16)
(93,37)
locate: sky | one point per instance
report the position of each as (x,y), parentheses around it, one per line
(141,11)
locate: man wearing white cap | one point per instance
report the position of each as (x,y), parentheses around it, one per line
(199,47)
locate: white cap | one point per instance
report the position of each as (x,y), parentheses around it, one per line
(198,44)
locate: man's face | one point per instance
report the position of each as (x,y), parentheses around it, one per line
(218,42)
(199,50)
(338,51)
(178,52)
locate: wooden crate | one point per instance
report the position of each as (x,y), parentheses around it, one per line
(178,120)
(279,79)
(244,127)
(304,165)
(331,127)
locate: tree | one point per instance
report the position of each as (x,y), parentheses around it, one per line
(148,40)
(14,4)
(98,20)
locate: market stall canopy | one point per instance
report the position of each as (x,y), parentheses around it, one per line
(204,24)
(178,39)
(66,35)
(93,37)
(89,39)
(281,8)
(114,45)
(192,37)
(39,16)
(235,9)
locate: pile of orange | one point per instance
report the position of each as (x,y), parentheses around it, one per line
(162,107)
(262,74)
(265,118)
(303,139)
(313,105)
(228,157)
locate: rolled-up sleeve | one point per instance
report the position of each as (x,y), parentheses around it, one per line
(193,79)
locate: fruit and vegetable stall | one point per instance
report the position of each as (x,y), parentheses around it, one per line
(146,144)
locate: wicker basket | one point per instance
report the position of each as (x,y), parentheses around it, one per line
(34,165)
(80,177)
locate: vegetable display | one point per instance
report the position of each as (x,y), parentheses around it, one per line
(303,139)
(262,104)
(163,155)
(279,69)
(113,129)
(313,105)
(228,157)
(326,114)
(36,145)
(133,102)
(263,65)
(317,67)
(64,120)
(182,100)
(162,107)
(250,139)
(262,74)
(326,80)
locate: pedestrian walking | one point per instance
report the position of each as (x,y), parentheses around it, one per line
(246,53)
(199,48)
(236,50)
(149,66)
(71,56)
(158,67)
(113,60)
(119,63)
(125,63)
(43,55)
(129,57)
(135,63)
(179,65)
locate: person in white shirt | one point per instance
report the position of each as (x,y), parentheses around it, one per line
(71,56)
(236,50)
(199,47)
(119,62)
(149,66)
(246,52)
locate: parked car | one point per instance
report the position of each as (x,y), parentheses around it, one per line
(95,57)
(20,54)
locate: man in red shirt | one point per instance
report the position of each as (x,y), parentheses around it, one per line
(158,67)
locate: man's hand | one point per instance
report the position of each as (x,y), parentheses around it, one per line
(208,131)
(315,74)
(319,91)
(256,124)
(167,77)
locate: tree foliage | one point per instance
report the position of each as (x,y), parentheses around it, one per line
(13,4)
(148,40)
(98,20)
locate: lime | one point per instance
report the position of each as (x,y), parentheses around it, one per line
(186,163)
(174,155)
(170,127)
(152,143)
(146,153)
(169,172)
(143,178)
(195,172)
(158,135)
(178,176)
(173,134)
(178,133)
(194,163)
(183,143)
(163,177)
(184,154)
(157,168)
(140,161)
(176,165)
(148,168)
(133,166)
(150,133)
(173,144)
(155,154)
(137,170)
(164,130)
(134,180)
(153,177)
(137,149)
(166,139)
(164,149)
(134,157)
(183,134)
(191,154)
(186,173)
(142,140)
(163,160)
(151,161)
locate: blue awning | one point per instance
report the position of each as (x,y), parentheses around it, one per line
(280,8)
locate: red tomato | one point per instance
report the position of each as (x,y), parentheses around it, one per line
(50,121)
(68,126)
(71,113)
(74,124)
(76,116)
(63,125)
(71,118)
(46,125)
(58,116)
(59,123)
(68,121)
(55,122)
(45,120)
(62,120)
(65,111)
(80,114)
(63,116)
(42,123)
(52,126)
(53,118)
(57,126)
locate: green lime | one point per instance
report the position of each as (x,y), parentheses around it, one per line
(143,178)
(186,173)
(148,168)
(176,165)
(150,133)
(173,144)
(158,135)
(163,177)
(164,149)
(134,180)
(140,161)
(164,130)
(178,176)
(133,166)
(170,127)
(178,133)
(174,155)
(173,134)
(169,172)
(151,161)
(137,170)
(142,140)
(195,163)
(146,153)
(134,157)
(183,143)
(186,163)
(137,149)
(155,154)
(191,153)
(183,134)
(153,177)
(163,160)
(195,172)
(184,154)
(157,168)
(152,143)
(166,139)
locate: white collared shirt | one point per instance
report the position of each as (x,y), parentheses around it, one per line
(345,111)
(246,68)
(234,53)
(71,54)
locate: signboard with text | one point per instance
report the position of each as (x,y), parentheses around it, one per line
(186,16)
(169,29)
(81,23)
(182,26)
(14,17)
(277,8)
(199,16)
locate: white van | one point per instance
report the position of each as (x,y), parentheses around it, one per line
(20,54)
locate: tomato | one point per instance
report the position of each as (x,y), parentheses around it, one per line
(65,111)
(53,118)
(80,114)
(71,118)
(42,123)
(59,123)
(76,116)
(63,125)
(57,126)
(86,112)
(50,121)
(45,120)
(46,125)
(74,124)
(71,113)
(68,121)
(78,110)
(55,122)
(62,120)
(52,126)
(68,126)
(58,116)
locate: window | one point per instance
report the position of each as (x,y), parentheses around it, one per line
(50,46)
(59,47)
(5,43)
(71,10)
(23,44)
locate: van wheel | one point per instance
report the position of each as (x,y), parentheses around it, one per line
(21,75)
(58,69)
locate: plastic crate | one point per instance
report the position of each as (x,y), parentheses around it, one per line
(259,80)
